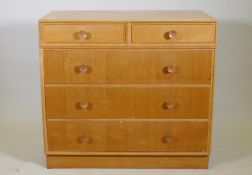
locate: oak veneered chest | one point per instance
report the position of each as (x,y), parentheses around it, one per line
(127,89)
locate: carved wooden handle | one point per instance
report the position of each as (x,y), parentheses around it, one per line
(84,105)
(82,69)
(84,139)
(84,35)
(169,105)
(170,35)
(167,139)
(169,69)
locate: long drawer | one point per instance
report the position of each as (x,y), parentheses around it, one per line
(99,101)
(127,136)
(128,66)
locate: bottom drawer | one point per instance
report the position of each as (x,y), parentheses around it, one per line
(126,136)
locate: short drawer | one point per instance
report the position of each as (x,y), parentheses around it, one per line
(128,66)
(172,33)
(130,102)
(83,33)
(126,136)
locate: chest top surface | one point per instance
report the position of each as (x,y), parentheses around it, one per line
(166,16)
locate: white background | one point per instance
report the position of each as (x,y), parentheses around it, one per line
(20,106)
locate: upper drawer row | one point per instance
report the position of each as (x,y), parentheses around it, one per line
(121,33)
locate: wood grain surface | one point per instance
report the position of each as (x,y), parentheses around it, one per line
(122,66)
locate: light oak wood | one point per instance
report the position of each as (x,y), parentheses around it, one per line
(193,162)
(125,16)
(155,33)
(97,33)
(134,102)
(128,85)
(128,66)
(120,153)
(114,83)
(71,21)
(210,117)
(131,136)
(42,85)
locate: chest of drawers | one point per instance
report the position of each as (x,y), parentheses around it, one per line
(127,89)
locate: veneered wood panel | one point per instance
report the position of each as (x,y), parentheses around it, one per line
(126,88)
(186,33)
(128,66)
(128,102)
(127,136)
(97,33)
(141,16)
(57,161)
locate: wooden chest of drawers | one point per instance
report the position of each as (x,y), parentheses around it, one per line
(127,89)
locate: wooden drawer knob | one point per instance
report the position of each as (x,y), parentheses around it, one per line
(168,105)
(167,139)
(170,35)
(82,69)
(84,139)
(84,105)
(84,35)
(169,69)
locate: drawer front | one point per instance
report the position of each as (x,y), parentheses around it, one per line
(172,33)
(104,102)
(127,136)
(128,66)
(83,33)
